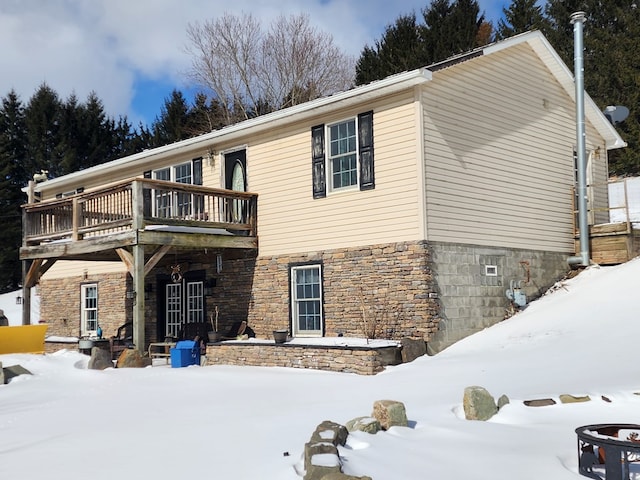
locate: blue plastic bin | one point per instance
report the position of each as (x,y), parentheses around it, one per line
(185,353)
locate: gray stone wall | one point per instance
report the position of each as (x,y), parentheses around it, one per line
(471,298)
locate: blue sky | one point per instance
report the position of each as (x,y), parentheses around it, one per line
(132,53)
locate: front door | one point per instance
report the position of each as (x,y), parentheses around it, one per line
(235,168)
(235,178)
(182,301)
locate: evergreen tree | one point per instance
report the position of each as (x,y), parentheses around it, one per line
(71,139)
(42,119)
(125,140)
(13,176)
(448,29)
(96,133)
(205,116)
(173,122)
(611,63)
(521,16)
(400,49)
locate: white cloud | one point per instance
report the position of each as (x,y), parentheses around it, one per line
(106,46)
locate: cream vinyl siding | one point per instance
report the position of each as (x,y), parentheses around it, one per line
(291,221)
(115,175)
(69,268)
(499,139)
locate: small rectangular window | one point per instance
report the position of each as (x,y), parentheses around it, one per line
(491,270)
(306,300)
(89,309)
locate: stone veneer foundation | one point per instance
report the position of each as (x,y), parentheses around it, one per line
(348,359)
(60,300)
(391,285)
(439,292)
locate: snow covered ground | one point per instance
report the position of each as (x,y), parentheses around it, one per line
(9,303)
(225,422)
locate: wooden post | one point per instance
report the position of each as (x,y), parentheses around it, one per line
(138,299)
(138,268)
(26,295)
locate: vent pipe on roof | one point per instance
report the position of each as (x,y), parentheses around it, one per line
(578,19)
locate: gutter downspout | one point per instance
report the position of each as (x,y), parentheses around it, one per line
(578,19)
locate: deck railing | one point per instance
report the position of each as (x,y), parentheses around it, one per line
(602,208)
(138,204)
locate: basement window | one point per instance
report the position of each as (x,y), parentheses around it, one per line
(491,270)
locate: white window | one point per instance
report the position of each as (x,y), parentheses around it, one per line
(89,309)
(171,204)
(306,300)
(343,155)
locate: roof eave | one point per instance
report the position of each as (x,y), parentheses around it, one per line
(145,160)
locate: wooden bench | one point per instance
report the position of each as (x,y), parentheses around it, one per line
(161,350)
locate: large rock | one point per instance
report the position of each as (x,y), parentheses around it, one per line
(14,371)
(502,401)
(566,398)
(330,432)
(478,404)
(412,349)
(320,459)
(390,413)
(132,358)
(100,359)
(321,453)
(364,424)
(540,402)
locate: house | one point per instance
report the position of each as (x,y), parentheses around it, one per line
(422,206)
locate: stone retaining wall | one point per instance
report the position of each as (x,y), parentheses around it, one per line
(360,360)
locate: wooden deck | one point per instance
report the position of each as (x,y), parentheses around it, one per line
(612,236)
(138,212)
(612,243)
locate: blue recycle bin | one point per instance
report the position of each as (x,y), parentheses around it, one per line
(185,353)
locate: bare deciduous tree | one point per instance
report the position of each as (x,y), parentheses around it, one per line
(251,71)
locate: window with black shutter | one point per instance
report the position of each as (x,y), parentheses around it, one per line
(342,155)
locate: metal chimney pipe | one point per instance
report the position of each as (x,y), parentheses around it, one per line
(578,19)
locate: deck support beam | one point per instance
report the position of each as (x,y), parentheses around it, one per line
(138,298)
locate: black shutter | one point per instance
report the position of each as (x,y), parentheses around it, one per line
(365,150)
(318,162)
(146,197)
(198,200)
(197,171)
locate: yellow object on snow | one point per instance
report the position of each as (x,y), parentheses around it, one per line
(22,339)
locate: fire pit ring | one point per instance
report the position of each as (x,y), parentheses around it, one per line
(609,451)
